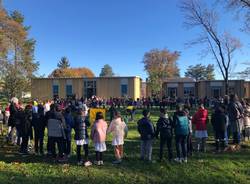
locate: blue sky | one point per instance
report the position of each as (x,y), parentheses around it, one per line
(92,33)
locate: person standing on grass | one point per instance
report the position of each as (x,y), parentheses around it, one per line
(118,128)
(219,122)
(1,121)
(190,133)
(81,124)
(247,121)
(164,127)
(147,131)
(200,120)
(56,134)
(181,124)
(69,120)
(98,135)
(235,112)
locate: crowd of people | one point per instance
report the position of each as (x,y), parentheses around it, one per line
(60,117)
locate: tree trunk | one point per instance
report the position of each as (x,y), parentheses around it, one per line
(226,84)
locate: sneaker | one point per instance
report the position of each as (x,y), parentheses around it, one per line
(97,163)
(185,160)
(117,162)
(79,163)
(178,160)
(101,162)
(87,164)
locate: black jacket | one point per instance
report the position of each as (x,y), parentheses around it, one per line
(164,127)
(81,127)
(219,121)
(146,129)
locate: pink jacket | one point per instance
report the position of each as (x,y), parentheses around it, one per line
(98,132)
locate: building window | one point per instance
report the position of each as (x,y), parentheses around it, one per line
(216,92)
(69,90)
(89,89)
(188,91)
(172,92)
(55,90)
(124,89)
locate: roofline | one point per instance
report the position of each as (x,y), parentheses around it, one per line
(59,78)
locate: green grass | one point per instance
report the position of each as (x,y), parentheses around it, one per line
(204,168)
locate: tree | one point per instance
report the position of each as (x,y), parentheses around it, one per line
(16,54)
(63,63)
(221,46)
(107,71)
(160,65)
(245,74)
(200,72)
(72,72)
(242,7)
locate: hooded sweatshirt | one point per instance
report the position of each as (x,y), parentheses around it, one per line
(200,119)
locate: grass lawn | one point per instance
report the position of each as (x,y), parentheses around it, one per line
(203,168)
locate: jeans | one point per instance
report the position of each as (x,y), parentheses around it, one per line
(189,144)
(146,149)
(59,142)
(168,141)
(201,144)
(181,146)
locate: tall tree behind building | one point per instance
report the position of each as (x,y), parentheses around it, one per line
(200,72)
(63,63)
(107,71)
(221,45)
(16,54)
(160,65)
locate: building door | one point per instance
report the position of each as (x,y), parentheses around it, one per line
(216,92)
(172,92)
(89,89)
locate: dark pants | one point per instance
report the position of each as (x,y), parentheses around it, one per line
(39,136)
(59,142)
(189,144)
(49,145)
(220,139)
(86,152)
(168,141)
(236,137)
(98,156)
(67,146)
(181,146)
(24,144)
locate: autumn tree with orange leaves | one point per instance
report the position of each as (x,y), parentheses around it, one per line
(160,65)
(72,72)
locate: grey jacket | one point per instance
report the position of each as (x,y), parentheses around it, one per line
(56,125)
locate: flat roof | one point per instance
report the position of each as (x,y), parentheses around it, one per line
(58,78)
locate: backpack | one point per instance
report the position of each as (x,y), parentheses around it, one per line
(182,125)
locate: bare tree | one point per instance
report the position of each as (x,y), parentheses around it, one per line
(221,46)
(242,7)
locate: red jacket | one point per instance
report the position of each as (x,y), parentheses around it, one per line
(200,119)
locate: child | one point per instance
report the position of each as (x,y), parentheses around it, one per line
(190,133)
(146,130)
(181,123)
(219,122)
(118,128)
(247,121)
(98,135)
(200,120)
(81,136)
(69,125)
(165,127)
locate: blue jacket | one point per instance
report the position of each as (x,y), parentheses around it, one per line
(146,129)
(69,125)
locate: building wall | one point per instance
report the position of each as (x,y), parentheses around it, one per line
(106,87)
(247,89)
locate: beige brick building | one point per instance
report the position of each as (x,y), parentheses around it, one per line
(105,87)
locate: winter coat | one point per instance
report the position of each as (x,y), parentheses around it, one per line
(181,123)
(56,125)
(164,127)
(69,120)
(200,119)
(118,128)
(146,129)
(247,117)
(81,124)
(25,123)
(99,130)
(12,119)
(235,113)
(219,121)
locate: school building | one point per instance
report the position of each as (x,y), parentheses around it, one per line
(105,87)
(184,87)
